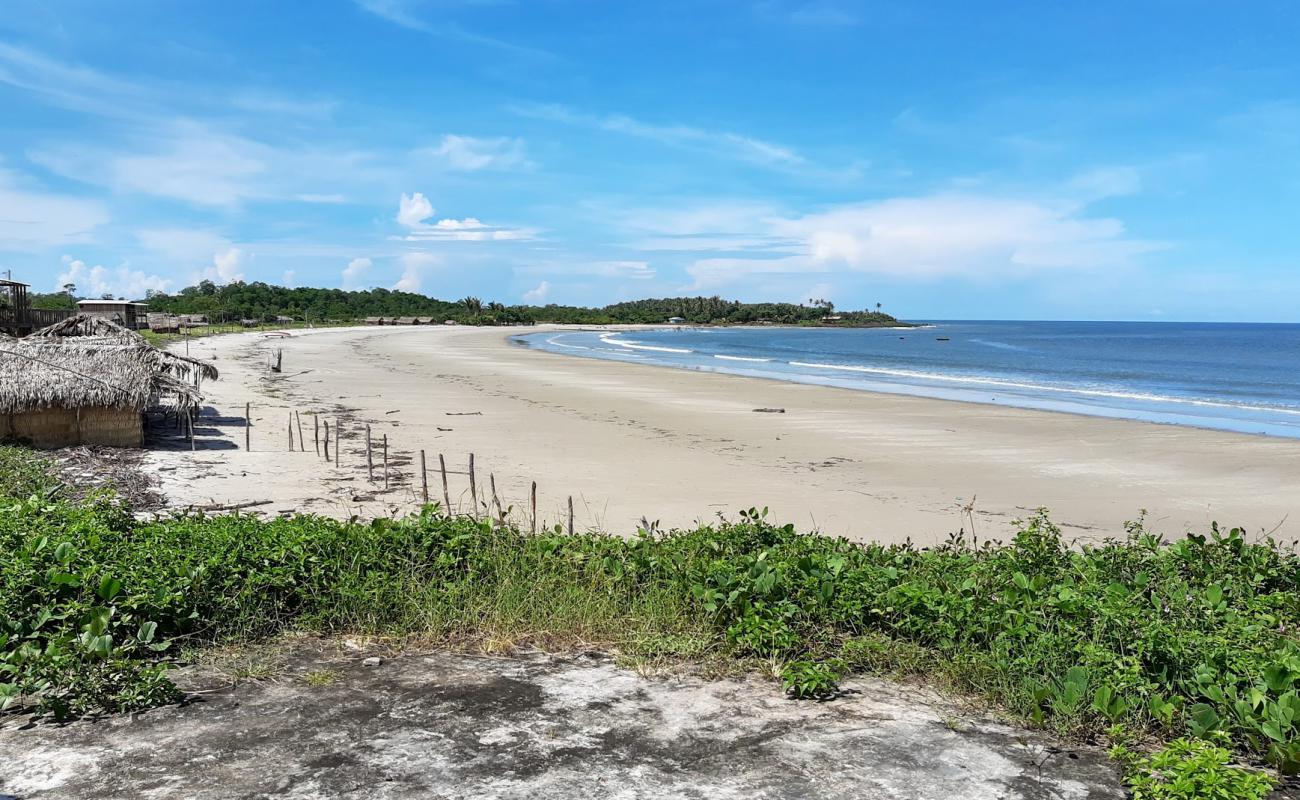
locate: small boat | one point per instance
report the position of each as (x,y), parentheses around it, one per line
(942,339)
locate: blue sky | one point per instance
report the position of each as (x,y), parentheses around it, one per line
(1099,160)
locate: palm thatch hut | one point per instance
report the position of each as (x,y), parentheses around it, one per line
(86,380)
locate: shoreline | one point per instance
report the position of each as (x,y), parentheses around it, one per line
(632,440)
(1047,398)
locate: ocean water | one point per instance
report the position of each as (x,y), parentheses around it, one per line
(1227,376)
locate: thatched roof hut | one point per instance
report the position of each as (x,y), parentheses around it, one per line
(88,381)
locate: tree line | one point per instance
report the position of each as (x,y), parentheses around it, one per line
(264,302)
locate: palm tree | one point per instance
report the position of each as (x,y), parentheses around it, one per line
(473,305)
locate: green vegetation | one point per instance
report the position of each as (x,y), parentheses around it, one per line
(1190,769)
(261,301)
(1133,639)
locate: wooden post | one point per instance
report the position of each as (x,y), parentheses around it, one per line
(290,431)
(370,460)
(424,479)
(501,514)
(533,503)
(301,447)
(385,462)
(338,443)
(315,432)
(191,420)
(327,441)
(248,426)
(473,486)
(446,495)
(570,515)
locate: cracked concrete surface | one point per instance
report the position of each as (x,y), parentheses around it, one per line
(459,726)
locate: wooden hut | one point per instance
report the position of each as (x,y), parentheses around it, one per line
(88,381)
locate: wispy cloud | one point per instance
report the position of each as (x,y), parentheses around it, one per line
(471,154)
(32,219)
(406,14)
(734,146)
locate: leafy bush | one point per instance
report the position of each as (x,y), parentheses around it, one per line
(1190,769)
(818,680)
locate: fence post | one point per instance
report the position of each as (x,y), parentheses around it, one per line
(370,461)
(248,426)
(533,503)
(385,462)
(327,441)
(446,495)
(570,515)
(315,432)
(424,479)
(473,485)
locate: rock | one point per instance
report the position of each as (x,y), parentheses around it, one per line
(373,661)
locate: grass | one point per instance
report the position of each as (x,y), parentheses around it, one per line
(1131,640)
(163,339)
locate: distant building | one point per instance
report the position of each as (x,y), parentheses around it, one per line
(676,320)
(132,316)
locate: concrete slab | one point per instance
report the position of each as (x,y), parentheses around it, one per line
(460,726)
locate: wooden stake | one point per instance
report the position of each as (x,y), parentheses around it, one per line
(315,432)
(385,462)
(473,485)
(370,461)
(327,441)
(338,443)
(248,426)
(570,515)
(446,495)
(501,514)
(533,503)
(301,447)
(424,479)
(191,419)
(290,431)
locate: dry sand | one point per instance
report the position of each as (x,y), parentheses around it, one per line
(629,441)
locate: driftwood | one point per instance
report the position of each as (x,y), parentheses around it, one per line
(463,413)
(770,410)
(230,506)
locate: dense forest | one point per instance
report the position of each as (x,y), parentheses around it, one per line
(261,301)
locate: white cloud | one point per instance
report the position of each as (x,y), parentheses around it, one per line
(944,235)
(34,220)
(289,278)
(414,209)
(226,266)
(470,154)
(413,267)
(1106,182)
(354,272)
(121,281)
(538,294)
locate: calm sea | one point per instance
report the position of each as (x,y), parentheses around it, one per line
(1229,376)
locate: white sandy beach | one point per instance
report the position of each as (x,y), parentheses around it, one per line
(629,441)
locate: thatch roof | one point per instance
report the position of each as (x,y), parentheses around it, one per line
(36,375)
(87,361)
(89,325)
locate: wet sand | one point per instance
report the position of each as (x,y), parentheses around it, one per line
(631,441)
